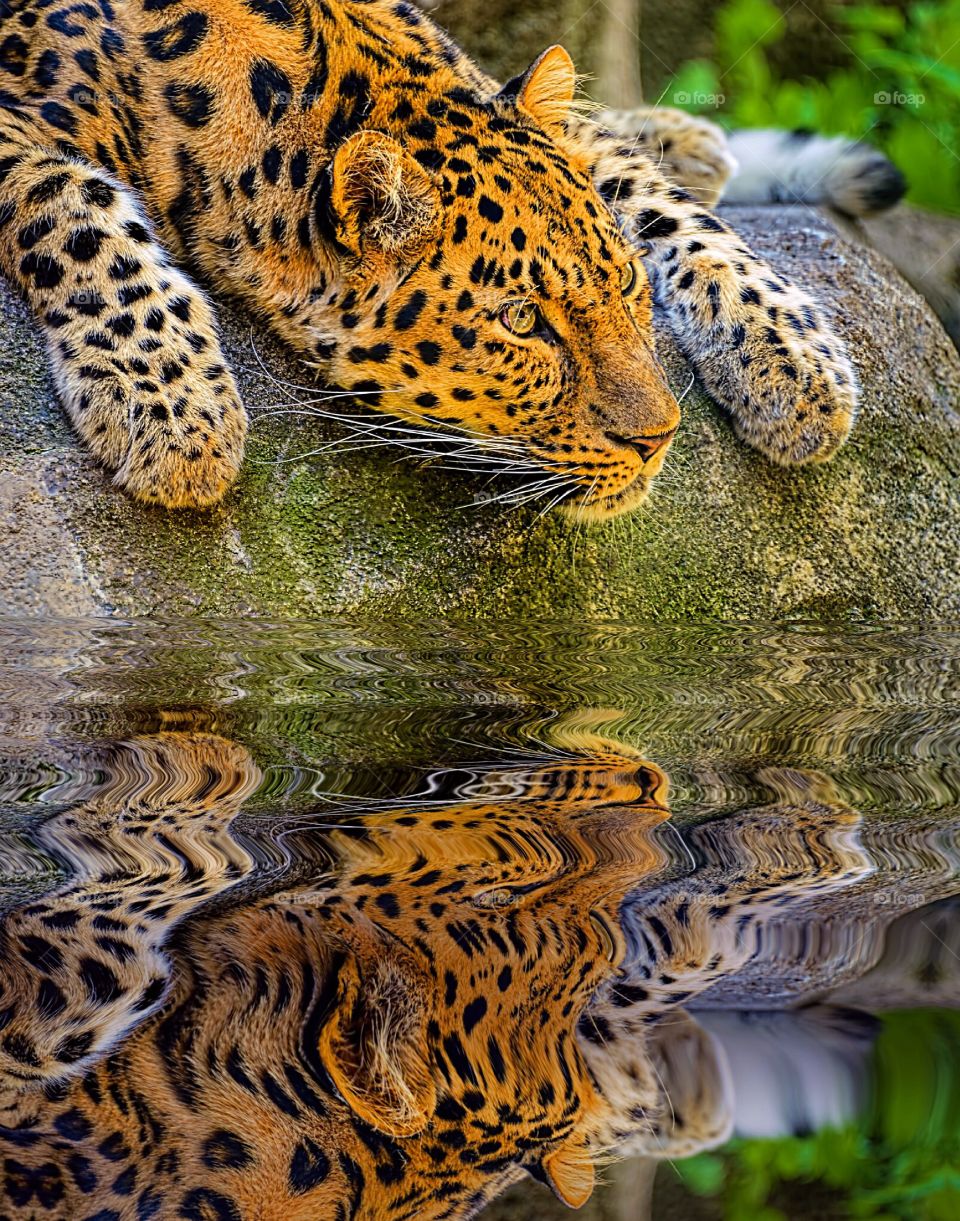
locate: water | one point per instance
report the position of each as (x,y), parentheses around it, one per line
(424,919)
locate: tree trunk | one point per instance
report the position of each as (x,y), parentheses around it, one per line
(504,36)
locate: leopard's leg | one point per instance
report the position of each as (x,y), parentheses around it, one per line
(760,345)
(753,868)
(690,151)
(132,341)
(662,1078)
(81,967)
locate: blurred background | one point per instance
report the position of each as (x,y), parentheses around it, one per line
(889,73)
(886,73)
(896,1159)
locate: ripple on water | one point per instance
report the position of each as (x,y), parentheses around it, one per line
(459,906)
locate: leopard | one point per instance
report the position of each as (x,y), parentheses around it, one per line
(455,254)
(448,994)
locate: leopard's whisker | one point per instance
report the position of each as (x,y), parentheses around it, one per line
(492,474)
(519,496)
(585,499)
(480,466)
(693,378)
(414,430)
(317,398)
(398,421)
(553,503)
(474,462)
(267,412)
(271,376)
(479,442)
(419,429)
(414,441)
(518,501)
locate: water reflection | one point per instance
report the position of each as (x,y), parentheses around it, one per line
(220,1003)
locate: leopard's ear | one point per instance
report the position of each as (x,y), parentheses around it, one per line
(379,198)
(375,1045)
(545,91)
(569,1171)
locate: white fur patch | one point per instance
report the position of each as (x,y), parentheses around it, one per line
(785,167)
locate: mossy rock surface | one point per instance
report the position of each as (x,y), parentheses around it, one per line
(875,534)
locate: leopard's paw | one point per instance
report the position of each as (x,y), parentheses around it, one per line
(798,420)
(805,405)
(194,776)
(134,349)
(188,461)
(773,363)
(187,767)
(797,841)
(690,151)
(155,399)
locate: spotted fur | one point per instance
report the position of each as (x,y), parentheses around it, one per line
(346,171)
(450,994)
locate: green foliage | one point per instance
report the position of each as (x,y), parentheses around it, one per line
(901,1162)
(900,89)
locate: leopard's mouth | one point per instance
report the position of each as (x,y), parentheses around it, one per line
(592,503)
(589,506)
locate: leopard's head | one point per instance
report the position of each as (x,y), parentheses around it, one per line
(491,293)
(447,1040)
(475,934)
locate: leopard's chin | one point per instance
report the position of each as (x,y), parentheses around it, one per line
(587,507)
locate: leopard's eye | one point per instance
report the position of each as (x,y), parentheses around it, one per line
(521,317)
(629,279)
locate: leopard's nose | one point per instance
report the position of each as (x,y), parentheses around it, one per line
(646,447)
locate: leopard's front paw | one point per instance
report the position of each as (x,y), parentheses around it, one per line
(801,402)
(188,461)
(149,391)
(804,840)
(690,151)
(133,346)
(186,773)
(794,420)
(772,361)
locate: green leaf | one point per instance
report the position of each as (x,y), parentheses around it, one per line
(695,88)
(879,19)
(703,1175)
(745,24)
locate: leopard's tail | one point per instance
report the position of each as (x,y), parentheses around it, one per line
(802,167)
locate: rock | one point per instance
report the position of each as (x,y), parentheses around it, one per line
(925,248)
(875,534)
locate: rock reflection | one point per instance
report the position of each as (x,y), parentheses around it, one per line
(436,998)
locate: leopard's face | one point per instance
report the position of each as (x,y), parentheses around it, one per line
(484,970)
(515,313)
